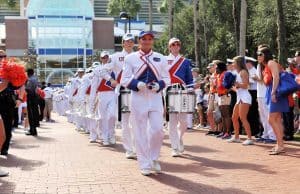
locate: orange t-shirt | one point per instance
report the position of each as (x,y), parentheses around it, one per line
(221,90)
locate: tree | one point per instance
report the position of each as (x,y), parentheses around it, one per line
(243,26)
(10,3)
(150,14)
(281,33)
(171,17)
(114,7)
(235,14)
(196,33)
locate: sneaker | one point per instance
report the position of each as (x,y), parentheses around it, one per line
(233,140)
(145,172)
(226,136)
(216,133)
(112,140)
(207,127)
(248,142)
(189,129)
(270,141)
(261,139)
(200,126)
(156,166)
(130,155)
(175,153)
(220,135)
(105,143)
(93,141)
(210,133)
(3,173)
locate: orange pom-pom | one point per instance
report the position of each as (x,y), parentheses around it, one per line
(13,72)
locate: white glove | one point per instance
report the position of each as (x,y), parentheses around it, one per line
(155,86)
(141,86)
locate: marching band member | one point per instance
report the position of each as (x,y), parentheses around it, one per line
(75,97)
(82,98)
(116,65)
(107,100)
(72,93)
(180,73)
(146,74)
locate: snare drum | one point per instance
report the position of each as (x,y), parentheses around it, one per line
(125,100)
(181,101)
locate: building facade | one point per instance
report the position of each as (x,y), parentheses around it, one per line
(58,36)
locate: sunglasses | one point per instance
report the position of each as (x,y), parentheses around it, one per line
(175,44)
(105,57)
(260,54)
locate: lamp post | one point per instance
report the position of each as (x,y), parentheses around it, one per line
(126,16)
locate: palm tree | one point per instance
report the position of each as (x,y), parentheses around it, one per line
(196,33)
(243,26)
(171,17)
(9,3)
(150,14)
(281,33)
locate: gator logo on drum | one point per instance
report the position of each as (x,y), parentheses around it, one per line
(121,58)
(156,59)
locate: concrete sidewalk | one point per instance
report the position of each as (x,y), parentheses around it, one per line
(61,160)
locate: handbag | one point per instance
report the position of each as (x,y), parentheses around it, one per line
(287,84)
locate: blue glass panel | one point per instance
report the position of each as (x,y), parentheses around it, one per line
(31,17)
(68,16)
(42,51)
(51,16)
(88,18)
(69,51)
(80,51)
(89,52)
(53,51)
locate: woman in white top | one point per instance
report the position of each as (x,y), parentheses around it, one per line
(243,102)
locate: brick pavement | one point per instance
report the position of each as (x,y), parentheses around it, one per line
(61,160)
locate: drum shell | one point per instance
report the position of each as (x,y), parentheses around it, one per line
(125,101)
(181,101)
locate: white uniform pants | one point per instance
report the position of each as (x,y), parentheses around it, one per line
(264,114)
(190,120)
(107,110)
(127,133)
(176,132)
(148,136)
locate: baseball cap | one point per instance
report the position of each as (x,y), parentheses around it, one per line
(144,33)
(210,65)
(104,53)
(195,69)
(250,59)
(128,36)
(80,70)
(229,61)
(172,40)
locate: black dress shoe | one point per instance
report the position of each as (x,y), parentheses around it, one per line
(28,133)
(288,138)
(4,153)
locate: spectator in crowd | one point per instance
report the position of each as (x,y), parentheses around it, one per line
(41,103)
(276,105)
(48,102)
(2,140)
(268,135)
(243,103)
(223,101)
(212,105)
(253,116)
(32,102)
